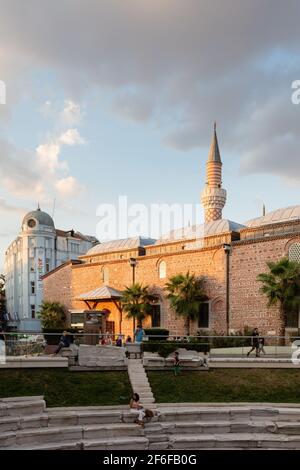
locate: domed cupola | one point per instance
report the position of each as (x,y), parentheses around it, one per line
(37,220)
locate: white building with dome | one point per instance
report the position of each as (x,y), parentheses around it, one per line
(38,249)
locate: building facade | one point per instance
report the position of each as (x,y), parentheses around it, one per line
(227,254)
(38,249)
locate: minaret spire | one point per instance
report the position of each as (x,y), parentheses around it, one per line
(213,196)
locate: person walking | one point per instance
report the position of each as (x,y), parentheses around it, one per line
(137,409)
(262,345)
(177,368)
(255,343)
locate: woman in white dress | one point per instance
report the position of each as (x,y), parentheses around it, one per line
(137,409)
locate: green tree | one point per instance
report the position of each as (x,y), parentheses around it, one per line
(185,293)
(281,285)
(137,302)
(53,315)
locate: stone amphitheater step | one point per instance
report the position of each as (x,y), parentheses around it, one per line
(50,446)
(218,427)
(21,407)
(229,413)
(20,399)
(69,433)
(136,443)
(81,417)
(232,440)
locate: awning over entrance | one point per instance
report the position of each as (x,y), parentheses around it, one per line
(101,293)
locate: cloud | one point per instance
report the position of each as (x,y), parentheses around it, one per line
(132,107)
(68,187)
(6,208)
(71,137)
(181,64)
(48,154)
(18,172)
(71,114)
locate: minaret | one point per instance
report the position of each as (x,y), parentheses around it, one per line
(213,197)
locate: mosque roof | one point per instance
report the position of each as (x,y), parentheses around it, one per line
(286,214)
(119,245)
(207,229)
(104,292)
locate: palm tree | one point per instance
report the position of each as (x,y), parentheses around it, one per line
(53,315)
(186,294)
(137,302)
(281,285)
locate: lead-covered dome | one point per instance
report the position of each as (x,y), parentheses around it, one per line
(37,217)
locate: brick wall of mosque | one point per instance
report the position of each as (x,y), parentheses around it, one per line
(248,307)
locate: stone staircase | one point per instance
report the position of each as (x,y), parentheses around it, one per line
(26,423)
(140,383)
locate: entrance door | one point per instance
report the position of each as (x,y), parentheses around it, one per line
(110,327)
(293,319)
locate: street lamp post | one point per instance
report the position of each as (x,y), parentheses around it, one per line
(133,264)
(227,251)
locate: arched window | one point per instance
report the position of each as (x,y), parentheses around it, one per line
(294,252)
(105,274)
(162,270)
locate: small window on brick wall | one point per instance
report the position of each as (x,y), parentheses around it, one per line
(162,270)
(105,274)
(203,318)
(294,252)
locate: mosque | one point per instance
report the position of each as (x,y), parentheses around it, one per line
(228,255)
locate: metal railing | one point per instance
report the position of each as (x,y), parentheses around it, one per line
(35,344)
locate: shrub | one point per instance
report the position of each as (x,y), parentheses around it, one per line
(52,315)
(220,341)
(161,332)
(164,349)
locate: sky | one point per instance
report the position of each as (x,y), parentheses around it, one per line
(118,97)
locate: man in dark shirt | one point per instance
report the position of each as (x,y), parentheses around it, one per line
(64,342)
(255,343)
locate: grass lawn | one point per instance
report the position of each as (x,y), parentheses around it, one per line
(225,385)
(65,388)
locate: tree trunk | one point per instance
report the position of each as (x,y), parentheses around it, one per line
(282,326)
(187,326)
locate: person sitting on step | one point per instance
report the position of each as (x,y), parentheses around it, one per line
(137,409)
